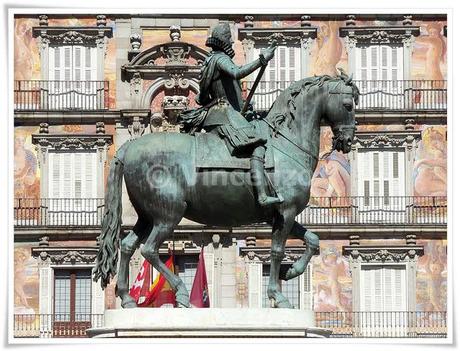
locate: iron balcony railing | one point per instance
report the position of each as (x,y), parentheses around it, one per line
(58,212)
(374,94)
(396,210)
(386,324)
(424,324)
(55,325)
(55,95)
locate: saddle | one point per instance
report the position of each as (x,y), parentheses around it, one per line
(212,152)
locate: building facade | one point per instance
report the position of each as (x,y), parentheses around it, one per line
(83,85)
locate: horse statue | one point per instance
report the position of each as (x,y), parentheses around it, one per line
(164,184)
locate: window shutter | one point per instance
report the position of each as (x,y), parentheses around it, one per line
(67,63)
(308,303)
(56,65)
(78,176)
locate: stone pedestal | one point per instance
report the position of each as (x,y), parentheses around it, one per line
(208,322)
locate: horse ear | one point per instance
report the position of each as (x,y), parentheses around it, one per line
(349,79)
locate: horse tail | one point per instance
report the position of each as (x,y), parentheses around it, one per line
(107,257)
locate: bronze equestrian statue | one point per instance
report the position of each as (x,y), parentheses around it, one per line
(209,177)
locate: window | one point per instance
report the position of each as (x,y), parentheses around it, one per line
(379,75)
(381,184)
(73,78)
(72,295)
(72,184)
(281,71)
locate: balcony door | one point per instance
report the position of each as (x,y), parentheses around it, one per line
(383,301)
(281,71)
(379,75)
(73,75)
(72,188)
(381,186)
(72,302)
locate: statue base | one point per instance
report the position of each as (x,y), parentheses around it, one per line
(208,322)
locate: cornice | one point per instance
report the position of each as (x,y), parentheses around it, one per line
(66,255)
(72,35)
(283,36)
(379,35)
(72,141)
(377,254)
(386,138)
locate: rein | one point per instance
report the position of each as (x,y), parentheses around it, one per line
(277,131)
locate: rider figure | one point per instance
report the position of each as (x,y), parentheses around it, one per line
(221,90)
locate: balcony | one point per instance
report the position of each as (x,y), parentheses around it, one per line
(52,95)
(55,325)
(426,324)
(423,324)
(58,212)
(377,210)
(351,210)
(385,95)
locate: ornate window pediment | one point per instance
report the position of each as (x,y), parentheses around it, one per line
(66,255)
(386,139)
(379,35)
(88,36)
(72,141)
(382,254)
(292,254)
(293,36)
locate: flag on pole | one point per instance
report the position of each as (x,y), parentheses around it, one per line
(199,296)
(156,294)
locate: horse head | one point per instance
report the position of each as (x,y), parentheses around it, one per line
(343,96)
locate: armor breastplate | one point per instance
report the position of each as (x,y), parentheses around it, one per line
(225,87)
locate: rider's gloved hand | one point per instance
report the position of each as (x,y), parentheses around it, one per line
(268,53)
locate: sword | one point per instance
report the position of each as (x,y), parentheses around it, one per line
(256,82)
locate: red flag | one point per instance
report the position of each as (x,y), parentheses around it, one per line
(156,294)
(141,285)
(199,295)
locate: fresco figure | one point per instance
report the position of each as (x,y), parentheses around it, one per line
(332,177)
(432,268)
(329,49)
(330,296)
(430,170)
(26,182)
(436,51)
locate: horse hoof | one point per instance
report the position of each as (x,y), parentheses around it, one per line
(182,301)
(283,304)
(290,274)
(129,304)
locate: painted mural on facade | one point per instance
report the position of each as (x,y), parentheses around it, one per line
(431,292)
(430,167)
(26,170)
(26,281)
(331,278)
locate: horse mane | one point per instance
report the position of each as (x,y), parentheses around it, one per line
(285,103)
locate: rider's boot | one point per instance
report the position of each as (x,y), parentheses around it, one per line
(258,177)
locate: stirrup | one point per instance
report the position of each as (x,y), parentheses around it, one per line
(270,200)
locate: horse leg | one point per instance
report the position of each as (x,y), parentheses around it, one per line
(281,228)
(160,232)
(312,242)
(128,246)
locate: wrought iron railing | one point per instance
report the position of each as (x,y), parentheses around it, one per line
(55,325)
(396,210)
(386,324)
(58,212)
(52,95)
(402,210)
(374,94)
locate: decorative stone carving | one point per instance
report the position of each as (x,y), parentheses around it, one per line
(135,120)
(44,241)
(174,33)
(248,21)
(386,139)
(71,142)
(383,254)
(407,20)
(365,36)
(43,128)
(305,21)
(351,20)
(43,20)
(173,105)
(89,36)
(136,41)
(101,20)
(284,36)
(100,128)
(262,254)
(409,124)
(66,255)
